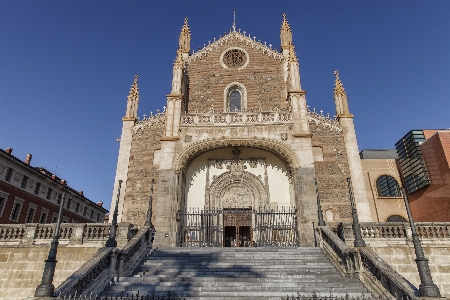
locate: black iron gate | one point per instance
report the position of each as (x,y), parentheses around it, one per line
(262,227)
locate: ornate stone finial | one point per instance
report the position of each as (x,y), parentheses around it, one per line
(340,96)
(292,54)
(285,33)
(185,37)
(177,72)
(133,99)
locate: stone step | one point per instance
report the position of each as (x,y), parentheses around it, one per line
(236,273)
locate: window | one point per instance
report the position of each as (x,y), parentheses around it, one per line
(59,199)
(235,97)
(77,207)
(68,203)
(30,214)
(235,100)
(55,218)
(387,186)
(66,220)
(49,193)
(24,182)
(92,214)
(17,207)
(98,218)
(3,199)
(84,211)
(44,214)
(37,188)
(9,174)
(396,218)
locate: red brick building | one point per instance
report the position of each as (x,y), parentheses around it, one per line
(33,195)
(428,190)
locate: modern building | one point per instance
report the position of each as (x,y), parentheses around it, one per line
(424,164)
(33,195)
(236,151)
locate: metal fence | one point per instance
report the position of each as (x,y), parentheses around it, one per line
(238,227)
(122,296)
(314,296)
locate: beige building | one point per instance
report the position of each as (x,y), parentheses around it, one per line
(236,143)
(382,183)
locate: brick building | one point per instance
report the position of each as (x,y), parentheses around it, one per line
(32,195)
(424,163)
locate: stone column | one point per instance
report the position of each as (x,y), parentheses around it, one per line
(354,164)
(299,113)
(122,163)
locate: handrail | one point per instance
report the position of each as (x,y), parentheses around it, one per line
(380,278)
(385,275)
(106,266)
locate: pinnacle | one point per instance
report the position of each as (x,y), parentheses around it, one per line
(285,25)
(338,86)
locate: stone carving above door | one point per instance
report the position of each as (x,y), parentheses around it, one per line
(236,188)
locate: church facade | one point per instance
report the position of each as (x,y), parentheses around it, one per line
(236,155)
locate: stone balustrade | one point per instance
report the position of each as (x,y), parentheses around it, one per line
(107,266)
(395,230)
(70,233)
(378,277)
(236,118)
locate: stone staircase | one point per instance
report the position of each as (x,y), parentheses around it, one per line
(236,273)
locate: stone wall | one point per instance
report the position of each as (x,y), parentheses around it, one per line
(141,171)
(331,169)
(22,267)
(401,258)
(262,77)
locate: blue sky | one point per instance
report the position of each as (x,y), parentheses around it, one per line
(66,68)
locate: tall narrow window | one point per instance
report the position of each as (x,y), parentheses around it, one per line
(30,215)
(24,182)
(15,212)
(37,188)
(49,194)
(235,100)
(9,174)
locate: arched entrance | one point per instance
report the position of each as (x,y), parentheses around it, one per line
(233,196)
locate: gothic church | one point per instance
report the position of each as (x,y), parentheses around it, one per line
(236,155)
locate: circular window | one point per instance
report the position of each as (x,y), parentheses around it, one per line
(234,58)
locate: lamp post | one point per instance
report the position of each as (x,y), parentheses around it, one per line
(319,207)
(359,242)
(46,288)
(148,221)
(427,288)
(111,242)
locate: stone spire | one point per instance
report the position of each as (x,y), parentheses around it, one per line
(285,33)
(133,99)
(185,37)
(294,71)
(177,72)
(340,96)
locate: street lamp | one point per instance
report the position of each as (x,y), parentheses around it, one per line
(427,288)
(148,221)
(319,207)
(46,288)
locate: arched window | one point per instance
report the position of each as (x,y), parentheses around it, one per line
(395,218)
(235,100)
(387,186)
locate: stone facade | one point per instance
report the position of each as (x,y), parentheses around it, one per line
(236,132)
